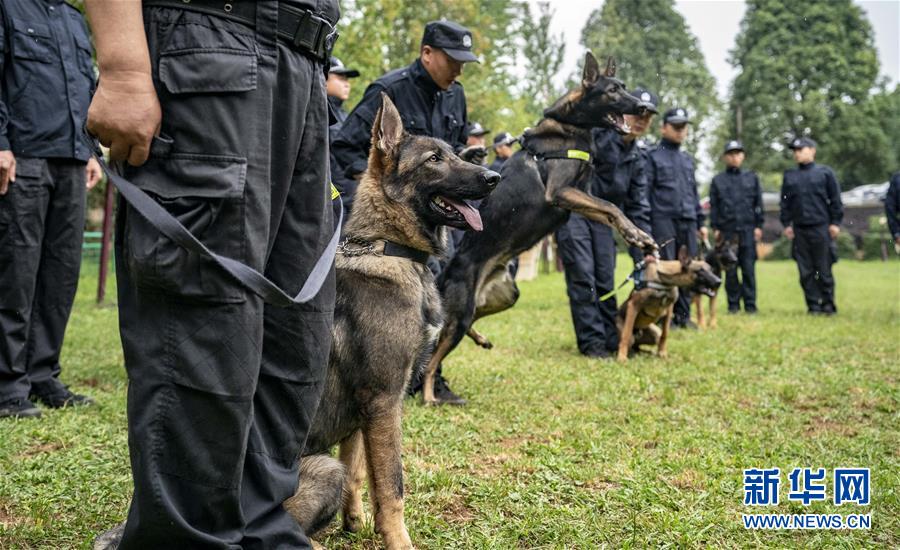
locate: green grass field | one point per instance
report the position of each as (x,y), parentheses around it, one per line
(555,450)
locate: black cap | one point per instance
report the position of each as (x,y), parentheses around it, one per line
(733,145)
(676,115)
(453,38)
(503,138)
(646,99)
(476,129)
(801,142)
(338,68)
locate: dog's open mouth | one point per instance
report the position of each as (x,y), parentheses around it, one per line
(617,121)
(459,213)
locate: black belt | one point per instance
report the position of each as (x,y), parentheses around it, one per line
(303,30)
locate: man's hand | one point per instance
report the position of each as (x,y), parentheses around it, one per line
(125,115)
(474,154)
(704,233)
(789,233)
(834,231)
(7,170)
(717,234)
(757,234)
(93,173)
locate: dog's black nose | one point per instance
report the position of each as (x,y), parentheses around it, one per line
(491,178)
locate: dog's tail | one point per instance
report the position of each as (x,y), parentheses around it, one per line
(319,494)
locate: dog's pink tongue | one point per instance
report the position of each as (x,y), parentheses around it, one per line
(470,213)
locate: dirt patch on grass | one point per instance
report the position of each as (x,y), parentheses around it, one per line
(9,518)
(41,448)
(689,480)
(491,465)
(602,485)
(457,512)
(824,426)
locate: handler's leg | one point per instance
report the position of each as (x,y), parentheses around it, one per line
(575,242)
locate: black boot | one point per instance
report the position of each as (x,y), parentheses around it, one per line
(19,408)
(56,395)
(444,394)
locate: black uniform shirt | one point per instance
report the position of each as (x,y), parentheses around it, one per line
(892,205)
(47,79)
(497,165)
(619,175)
(337,107)
(426,110)
(810,195)
(673,190)
(735,198)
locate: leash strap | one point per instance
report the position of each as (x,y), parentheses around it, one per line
(249,278)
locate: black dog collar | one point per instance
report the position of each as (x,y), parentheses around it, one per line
(390,248)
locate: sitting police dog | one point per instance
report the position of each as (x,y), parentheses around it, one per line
(721,258)
(387,318)
(653,300)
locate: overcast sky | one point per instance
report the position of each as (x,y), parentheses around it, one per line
(716,23)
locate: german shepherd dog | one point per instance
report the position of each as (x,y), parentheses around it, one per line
(654,300)
(387,318)
(721,258)
(542,184)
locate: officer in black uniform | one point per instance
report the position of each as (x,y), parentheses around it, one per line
(47,80)
(503,143)
(676,215)
(587,248)
(429,99)
(892,209)
(811,213)
(222,386)
(477,135)
(338,88)
(431,103)
(736,212)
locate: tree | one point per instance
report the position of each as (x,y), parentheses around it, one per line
(654,48)
(543,54)
(807,68)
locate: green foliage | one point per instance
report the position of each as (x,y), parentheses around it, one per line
(543,55)
(554,450)
(807,68)
(654,48)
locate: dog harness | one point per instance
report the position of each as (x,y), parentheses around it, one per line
(388,248)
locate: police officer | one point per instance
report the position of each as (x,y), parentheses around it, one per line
(338,88)
(503,143)
(587,248)
(477,135)
(676,215)
(47,80)
(430,100)
(811,213)
(892,209)
(736,211)
(222,387)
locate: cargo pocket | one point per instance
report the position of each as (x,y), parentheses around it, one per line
(208,70)
(204,193)
(22,209)
(84,58)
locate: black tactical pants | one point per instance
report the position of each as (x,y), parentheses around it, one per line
(743,285)
(222,388)
(813,251)
(684,233)
(588,252)
(41,230)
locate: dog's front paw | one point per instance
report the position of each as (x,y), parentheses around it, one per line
(663,354)
(640,239)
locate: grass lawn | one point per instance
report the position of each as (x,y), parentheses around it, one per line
(555,450)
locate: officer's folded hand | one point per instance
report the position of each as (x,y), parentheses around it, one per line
(474,154)
(7,170)
(125,115)
(789,233)
(834,231)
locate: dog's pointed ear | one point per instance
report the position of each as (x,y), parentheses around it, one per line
(610,70)
(591,73)
(684,256)
(387,128)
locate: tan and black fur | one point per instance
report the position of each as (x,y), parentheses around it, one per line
(721,258)
(387,317)
(637,318)
(534,199)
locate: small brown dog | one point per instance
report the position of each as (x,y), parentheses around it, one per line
(653,299)
(720,258)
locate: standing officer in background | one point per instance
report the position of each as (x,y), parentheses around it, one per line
(477,135)
(222,387)
(676,215)
(47,80)
(811,213)
(338,88)
(736,211)
(503,143)
(587,248)
(892,210)
(430,101)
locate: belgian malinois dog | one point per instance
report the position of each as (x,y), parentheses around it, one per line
(542,184)
(387,318)
(653,299)
(721,258)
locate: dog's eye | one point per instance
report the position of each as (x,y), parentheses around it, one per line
(434,158)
